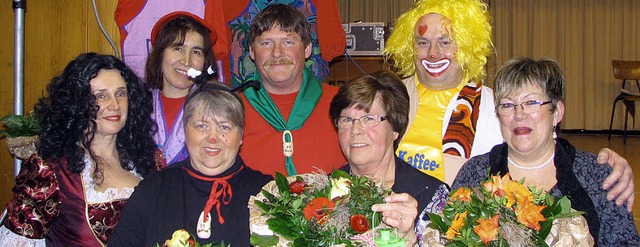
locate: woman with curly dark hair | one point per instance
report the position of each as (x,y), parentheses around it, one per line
(95,147)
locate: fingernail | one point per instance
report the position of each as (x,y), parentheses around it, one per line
(609,197)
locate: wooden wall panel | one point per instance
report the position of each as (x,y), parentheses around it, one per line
(96,41)
(55,33)
(6,96)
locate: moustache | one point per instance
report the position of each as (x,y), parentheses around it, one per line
(278,62)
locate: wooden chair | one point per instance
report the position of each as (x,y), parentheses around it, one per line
(626,70)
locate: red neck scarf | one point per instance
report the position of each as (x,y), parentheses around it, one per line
(221,192)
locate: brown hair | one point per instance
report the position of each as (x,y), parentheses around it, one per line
(519,72)
(174,33)
(362,91)
(283,17)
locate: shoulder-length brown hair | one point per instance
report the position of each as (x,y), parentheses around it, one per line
(174,33)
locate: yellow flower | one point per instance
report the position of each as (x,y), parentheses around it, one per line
(339,187)
(496,186)
(529,215)
(456,225)
(179,238)
(462,194)
(517,192)
(487,229)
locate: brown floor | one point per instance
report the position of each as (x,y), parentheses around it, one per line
(630,151)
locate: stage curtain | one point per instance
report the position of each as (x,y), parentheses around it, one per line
(583,36)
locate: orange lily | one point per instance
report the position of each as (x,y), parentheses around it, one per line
(462,194)
(529,215)
(456,225)
(487,229)
(497,184)
(517,192)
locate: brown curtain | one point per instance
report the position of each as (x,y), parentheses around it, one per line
(582,35)
(373,10)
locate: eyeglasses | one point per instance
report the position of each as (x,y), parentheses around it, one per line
(528,107)
(366,121)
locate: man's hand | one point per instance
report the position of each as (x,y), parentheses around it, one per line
(623,191)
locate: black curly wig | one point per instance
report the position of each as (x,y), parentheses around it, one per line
(69,113)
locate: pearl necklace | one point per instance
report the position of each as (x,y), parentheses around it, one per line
(531,167)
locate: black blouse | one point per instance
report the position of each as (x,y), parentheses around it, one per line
(173,200)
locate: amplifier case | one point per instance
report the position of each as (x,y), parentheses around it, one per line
(364,39)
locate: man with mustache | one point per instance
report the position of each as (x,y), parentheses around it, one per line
(442,45)
(288,128)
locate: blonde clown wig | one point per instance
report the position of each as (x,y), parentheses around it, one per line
(470,31)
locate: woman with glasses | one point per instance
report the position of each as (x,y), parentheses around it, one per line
(371,115)
(529,97)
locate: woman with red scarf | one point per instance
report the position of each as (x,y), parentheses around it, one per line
(207,194)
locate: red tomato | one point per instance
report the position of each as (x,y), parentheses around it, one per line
(297,187)
(359,223)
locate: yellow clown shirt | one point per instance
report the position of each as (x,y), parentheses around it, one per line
(432,121)
(421,146)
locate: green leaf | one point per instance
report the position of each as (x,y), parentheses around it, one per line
(270,197)
(340,174)
(281,226)
(262,205)
(283,184)
(565,205)
(437,223)
(263,241)
(297,203)
(20,125)
(545,228)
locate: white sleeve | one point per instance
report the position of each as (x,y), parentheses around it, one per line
(8,238)
(488,127)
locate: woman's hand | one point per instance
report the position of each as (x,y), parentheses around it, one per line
(400,211)
(621,175)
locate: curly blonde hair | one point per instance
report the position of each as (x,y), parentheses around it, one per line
(471,32)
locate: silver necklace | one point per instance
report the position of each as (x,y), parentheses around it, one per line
(531,167)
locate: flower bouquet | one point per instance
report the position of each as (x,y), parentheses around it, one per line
(182,238)
(318,210)
(502,212)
